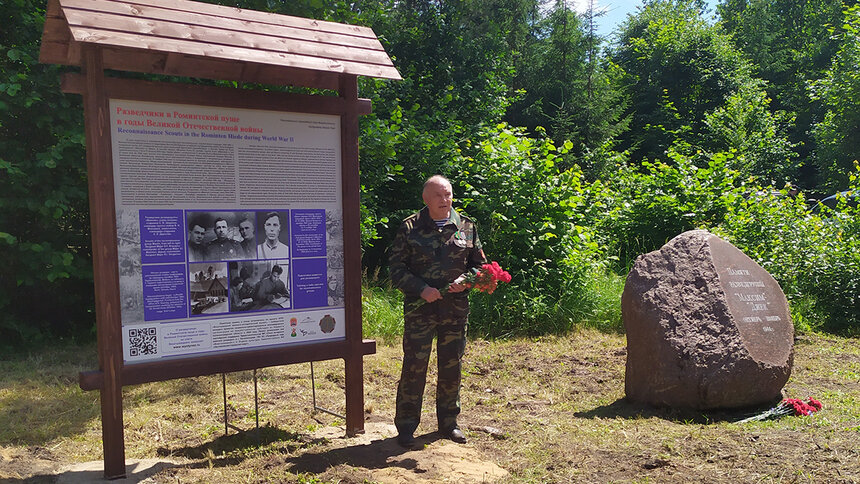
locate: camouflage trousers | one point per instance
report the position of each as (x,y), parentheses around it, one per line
(417,344)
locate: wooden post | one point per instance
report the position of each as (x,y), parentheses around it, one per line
(354,362)
(105,267)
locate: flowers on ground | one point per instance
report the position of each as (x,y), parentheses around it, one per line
(789,406)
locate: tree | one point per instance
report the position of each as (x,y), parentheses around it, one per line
(693,91)
(677,69)
(44,226)
(566,86)
(456,61)
(759,137)
(790,45)
(838,133)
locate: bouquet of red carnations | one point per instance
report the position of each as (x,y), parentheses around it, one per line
(789,406)
(485,279)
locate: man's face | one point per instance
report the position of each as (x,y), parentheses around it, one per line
(273,228)
(438,197)
(275,276)
(221,229)
(246,229)
(197,233)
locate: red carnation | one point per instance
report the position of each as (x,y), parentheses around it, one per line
(789,406)
(485,279)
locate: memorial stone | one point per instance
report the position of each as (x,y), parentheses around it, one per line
(707,327)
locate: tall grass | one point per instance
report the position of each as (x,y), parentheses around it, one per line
(382,311)
(598,307)
(602,309)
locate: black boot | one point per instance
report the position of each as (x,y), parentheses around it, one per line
(406,439)
(456,435)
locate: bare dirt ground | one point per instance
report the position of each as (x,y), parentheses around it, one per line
(537,410)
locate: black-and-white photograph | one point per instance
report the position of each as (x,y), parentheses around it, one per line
(334,257)
(259,285)
(130,271)
(220,236)
(273,235)
(207,287)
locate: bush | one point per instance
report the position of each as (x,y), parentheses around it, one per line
(832,278)
(814,257)
(532,221)
(639,210)
(46,290)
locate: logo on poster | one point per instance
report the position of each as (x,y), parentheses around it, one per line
(327,324)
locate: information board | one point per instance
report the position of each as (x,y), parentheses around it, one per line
(229,228)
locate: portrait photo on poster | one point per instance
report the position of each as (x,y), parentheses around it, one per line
(273,234)
(220,235)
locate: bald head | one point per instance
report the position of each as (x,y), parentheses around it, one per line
(437,196)
(437,180)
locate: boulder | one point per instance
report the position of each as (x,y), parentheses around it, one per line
(707,327)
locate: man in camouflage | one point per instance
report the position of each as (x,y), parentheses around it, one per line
(433,249)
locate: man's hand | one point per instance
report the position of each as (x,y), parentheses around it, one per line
(430,294)
(457,285)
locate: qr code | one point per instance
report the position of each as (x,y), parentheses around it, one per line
(142,342)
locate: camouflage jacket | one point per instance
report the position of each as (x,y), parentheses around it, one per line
(425,255)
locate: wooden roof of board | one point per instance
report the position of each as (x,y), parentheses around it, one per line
(194,39)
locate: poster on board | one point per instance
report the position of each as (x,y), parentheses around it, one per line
(229,228)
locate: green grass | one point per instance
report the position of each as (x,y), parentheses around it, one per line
(558,399)
(603,310)
(382,312)
(597,306)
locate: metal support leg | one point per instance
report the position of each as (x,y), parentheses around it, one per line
(256,408)
(256,402)
(224,387)
(314,394)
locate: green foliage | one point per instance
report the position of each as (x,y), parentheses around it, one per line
(601,310)
(381,311)
(641,209)
(692,90)
(565,86)
(536,231)
(814,257)
(678,68)
(838,134)
(46,286)
(832,280)
(790,44)
(456,64)
(745,124)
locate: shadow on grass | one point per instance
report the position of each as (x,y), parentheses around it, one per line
(623,408)
(230,450)
(93,472)
(234,448)
(378,454)
(36,420)
(40,399)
